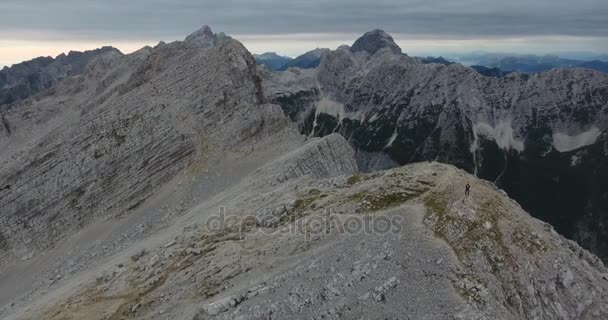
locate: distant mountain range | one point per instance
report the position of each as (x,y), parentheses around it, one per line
(440,60)
(488,64)
(30,77)
(488,72)
(272,60)
(308,60)
(528,63)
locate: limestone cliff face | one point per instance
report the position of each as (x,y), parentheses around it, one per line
(322,158)
(98,144)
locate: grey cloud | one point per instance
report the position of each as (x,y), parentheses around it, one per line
(156,19)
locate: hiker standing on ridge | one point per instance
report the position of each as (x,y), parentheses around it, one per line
(466,189)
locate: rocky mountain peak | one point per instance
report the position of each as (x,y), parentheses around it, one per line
(205,38)
(373,41)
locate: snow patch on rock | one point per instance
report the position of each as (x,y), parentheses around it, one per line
(575,160)
(564,143)
(391,139)
(502,134)
(332,108)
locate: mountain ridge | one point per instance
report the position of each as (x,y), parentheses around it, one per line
(272,60)
(100,115)
(529,62)
(307,60)
(27,78)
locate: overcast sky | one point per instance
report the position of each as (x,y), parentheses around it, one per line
(30,28)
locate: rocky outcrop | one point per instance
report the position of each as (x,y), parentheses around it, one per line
(526,260)
(329,156)
(28,78)
(99,144)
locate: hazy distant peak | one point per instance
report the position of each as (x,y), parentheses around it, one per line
(269,55)
(310,59)
(373,41)
(271,60)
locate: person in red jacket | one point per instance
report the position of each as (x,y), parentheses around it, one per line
(467,189)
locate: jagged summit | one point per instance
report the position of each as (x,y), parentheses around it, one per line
(204,37)
(204,33)
(373,41)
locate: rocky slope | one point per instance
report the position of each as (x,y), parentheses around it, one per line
(305,236)
(100,143)
(395,110)
(30,77)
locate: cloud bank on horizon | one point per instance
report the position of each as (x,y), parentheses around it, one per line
(293,27)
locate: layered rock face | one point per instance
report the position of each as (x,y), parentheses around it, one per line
(327,157)
(500,128)
(100,143)
(28,78)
